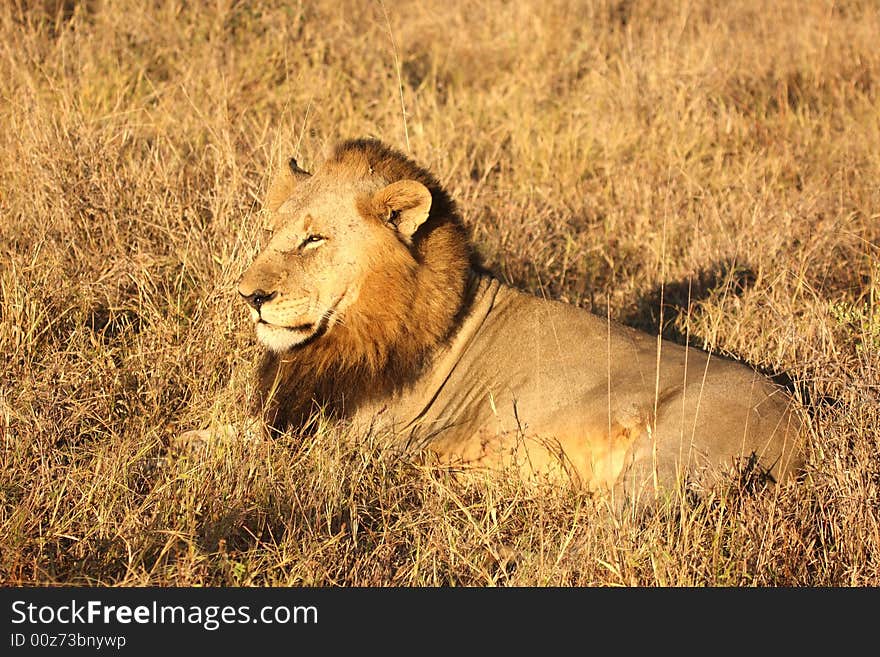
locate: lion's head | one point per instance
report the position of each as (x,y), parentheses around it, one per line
(363,274)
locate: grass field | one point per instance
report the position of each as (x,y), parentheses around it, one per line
(721,156)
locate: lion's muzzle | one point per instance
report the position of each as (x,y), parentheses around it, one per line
(257,298)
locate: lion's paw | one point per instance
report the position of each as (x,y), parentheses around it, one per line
(199,440)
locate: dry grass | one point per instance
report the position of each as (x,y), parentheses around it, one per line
(726,154)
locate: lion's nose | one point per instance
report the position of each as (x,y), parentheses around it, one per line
(258,297)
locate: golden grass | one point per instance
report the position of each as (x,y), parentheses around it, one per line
(724,157)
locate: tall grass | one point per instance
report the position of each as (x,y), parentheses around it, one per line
(723,157)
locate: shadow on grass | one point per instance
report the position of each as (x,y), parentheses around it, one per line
(678,298)
(673,300)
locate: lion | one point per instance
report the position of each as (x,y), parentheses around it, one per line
(372,307)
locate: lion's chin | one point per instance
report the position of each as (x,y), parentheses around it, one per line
(283,338)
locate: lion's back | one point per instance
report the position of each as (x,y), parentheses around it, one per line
(615,400)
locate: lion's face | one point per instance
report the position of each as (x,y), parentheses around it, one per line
(328,239)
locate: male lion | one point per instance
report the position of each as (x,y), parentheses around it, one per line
(369,306)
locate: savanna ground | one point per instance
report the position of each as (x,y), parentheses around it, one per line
(722,158)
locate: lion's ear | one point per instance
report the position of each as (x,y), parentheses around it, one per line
(284,183)
(405,205)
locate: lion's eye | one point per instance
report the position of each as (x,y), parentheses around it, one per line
(312,240)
